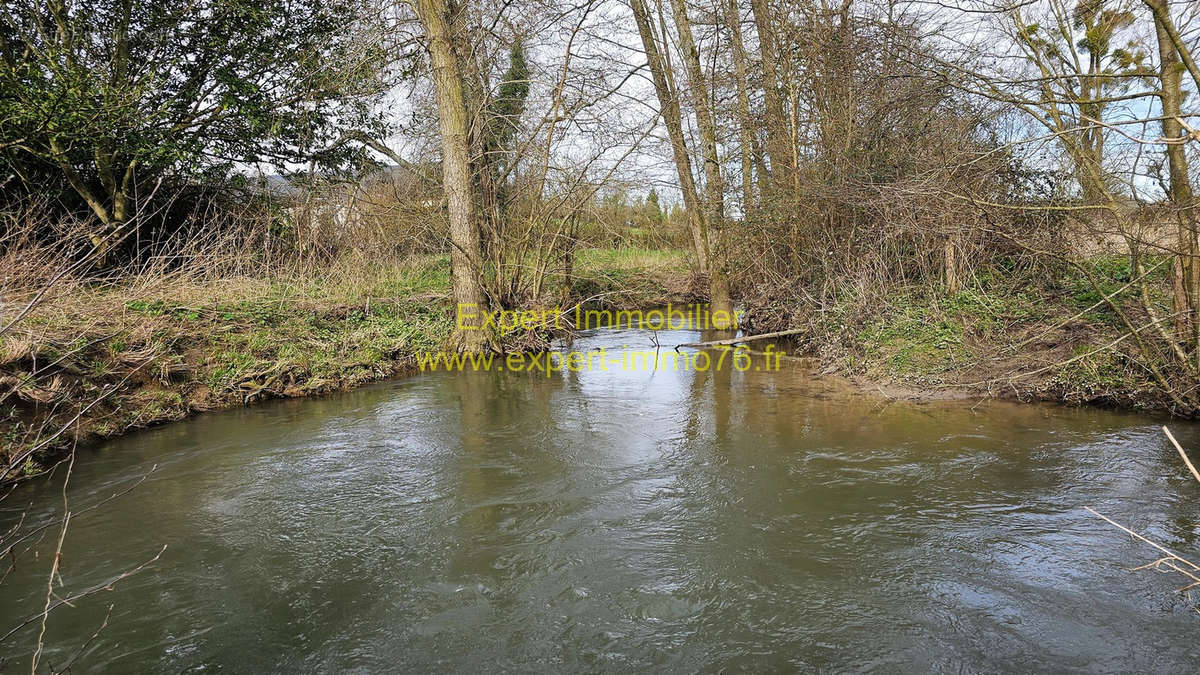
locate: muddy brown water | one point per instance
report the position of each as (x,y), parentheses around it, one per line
(618,520)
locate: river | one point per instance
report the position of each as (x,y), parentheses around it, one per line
(618,520)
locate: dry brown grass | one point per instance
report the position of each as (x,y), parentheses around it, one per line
(221,313)
(180,323)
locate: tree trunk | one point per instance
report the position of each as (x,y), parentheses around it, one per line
(1164,23)
(456,167)
(734,19)
(950,267)
(673,119)
(714,183)
(1180,188)
(777,126)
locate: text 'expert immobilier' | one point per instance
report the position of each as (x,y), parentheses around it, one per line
(694,316)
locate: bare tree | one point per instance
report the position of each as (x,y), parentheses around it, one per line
(440,19)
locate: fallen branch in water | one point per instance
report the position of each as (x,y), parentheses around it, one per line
(1181,453)
(744,338)
(69,600)
(1172,561)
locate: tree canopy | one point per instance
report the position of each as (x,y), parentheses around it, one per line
(109,95)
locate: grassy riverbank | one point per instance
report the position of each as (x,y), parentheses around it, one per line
(1049,337)
(96,361)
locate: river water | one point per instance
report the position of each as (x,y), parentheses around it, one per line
(618,520)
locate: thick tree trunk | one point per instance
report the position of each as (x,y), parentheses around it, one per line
(456,167)
(734,19)
(714,183)
(1186,304)
(673,119)
(778,143)
(1165,24)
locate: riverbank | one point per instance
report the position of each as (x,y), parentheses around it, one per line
(1051,339)
(458,519)
(96,362)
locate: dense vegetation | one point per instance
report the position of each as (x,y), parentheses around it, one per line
(984,196)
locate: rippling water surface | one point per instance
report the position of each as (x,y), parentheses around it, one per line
(606,521)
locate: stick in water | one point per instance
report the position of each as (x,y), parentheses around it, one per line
(744,338)
(1181,453)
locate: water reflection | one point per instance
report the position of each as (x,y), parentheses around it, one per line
(622,519)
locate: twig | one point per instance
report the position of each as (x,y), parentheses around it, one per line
(55,566)
(10,547)
(103,586)
(1182,454)
(1170,561)
(83,647)
(1135,535)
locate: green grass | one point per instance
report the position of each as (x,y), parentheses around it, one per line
(913,341)
(1096,374)
(167,346)
(610,259)
(1112,274)
(629,277)
(327,343)
(1004,323)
